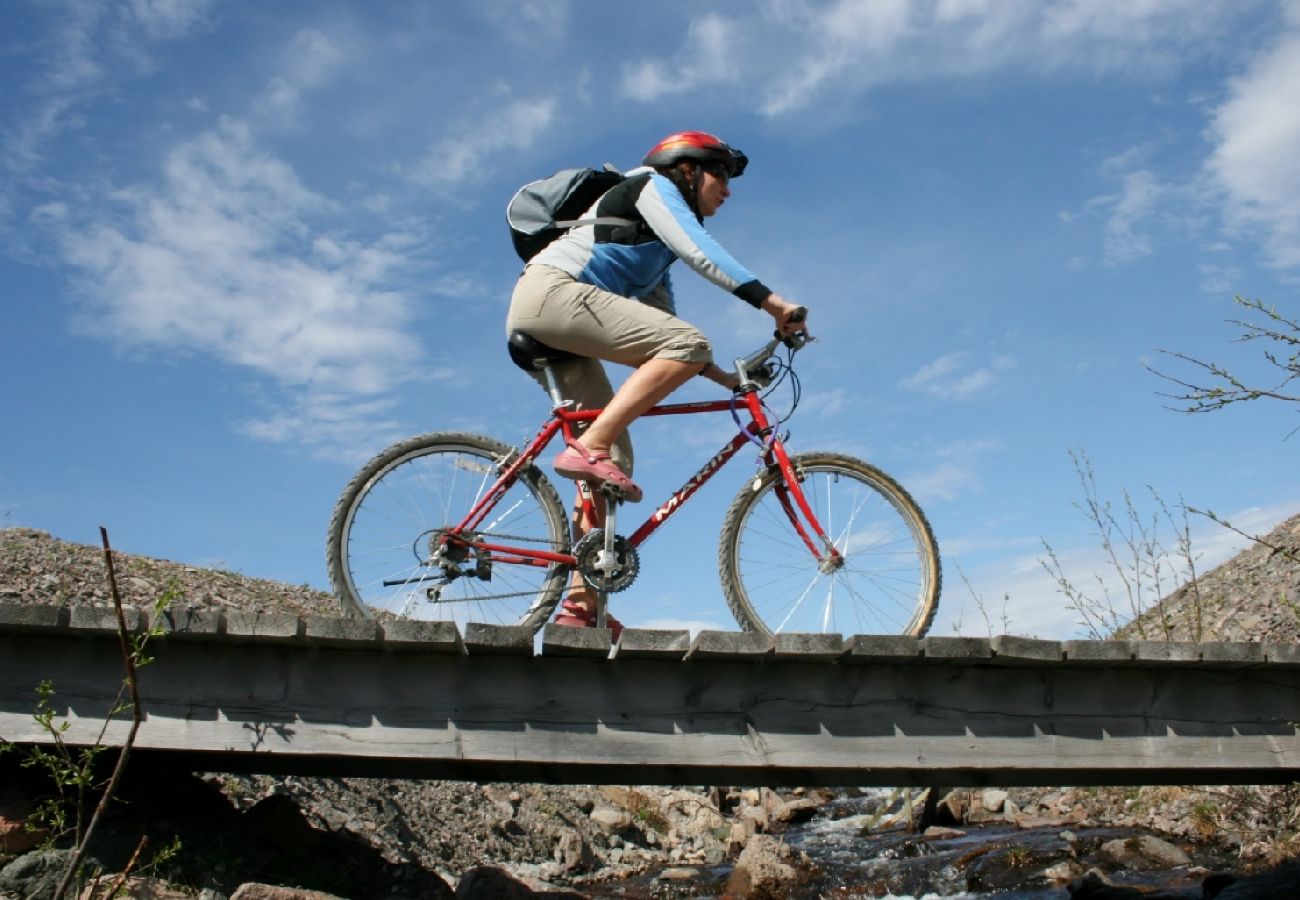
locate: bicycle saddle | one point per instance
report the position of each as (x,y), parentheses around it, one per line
(531,355)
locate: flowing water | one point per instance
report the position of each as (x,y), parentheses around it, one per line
(858,855)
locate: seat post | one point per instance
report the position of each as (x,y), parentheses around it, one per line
(553,387)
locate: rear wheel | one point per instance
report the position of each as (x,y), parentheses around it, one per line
(886,582)
(385,551)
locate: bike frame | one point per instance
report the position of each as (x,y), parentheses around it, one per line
(564,420)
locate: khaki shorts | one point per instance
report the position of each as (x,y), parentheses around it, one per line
(561,312)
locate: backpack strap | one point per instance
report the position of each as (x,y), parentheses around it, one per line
(599,220)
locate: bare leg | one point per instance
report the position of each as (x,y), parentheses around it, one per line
(650,383)
(579,593)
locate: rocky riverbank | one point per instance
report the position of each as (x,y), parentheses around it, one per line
(368,837)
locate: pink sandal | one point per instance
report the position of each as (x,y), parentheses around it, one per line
(573,615)
(577,462)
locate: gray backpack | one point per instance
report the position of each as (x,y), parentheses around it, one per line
(542,210)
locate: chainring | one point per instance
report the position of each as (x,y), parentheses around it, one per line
(588,551)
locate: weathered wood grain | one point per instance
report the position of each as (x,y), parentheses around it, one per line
(417,699)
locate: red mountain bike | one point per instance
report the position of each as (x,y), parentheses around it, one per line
(459,527)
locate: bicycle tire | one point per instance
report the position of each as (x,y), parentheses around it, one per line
(889,582)
(381,528)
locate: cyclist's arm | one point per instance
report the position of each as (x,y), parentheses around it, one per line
(670,218)
(720,376)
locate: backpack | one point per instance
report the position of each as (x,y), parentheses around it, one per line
(542,210)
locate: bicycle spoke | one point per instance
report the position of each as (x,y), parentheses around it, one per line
(386,550)
(884,580)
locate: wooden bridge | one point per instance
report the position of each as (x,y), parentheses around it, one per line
(237,691)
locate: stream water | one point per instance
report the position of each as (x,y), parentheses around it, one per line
(856,858)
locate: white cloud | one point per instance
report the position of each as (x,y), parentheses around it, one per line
(81,56)
(461,155)
(1125,241)
(708,57)
(796,51)
(233,256)
(528,22)
(947,481)
(846,34)
(168,19)
(954,474)
(311,58)
(954,376)
(1257,144)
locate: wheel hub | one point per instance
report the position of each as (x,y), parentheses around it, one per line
(831,563)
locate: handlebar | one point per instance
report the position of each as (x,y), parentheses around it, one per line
(752,371)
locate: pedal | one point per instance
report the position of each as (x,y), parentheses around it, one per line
(612,492)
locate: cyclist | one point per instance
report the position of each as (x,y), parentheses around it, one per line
(603,292)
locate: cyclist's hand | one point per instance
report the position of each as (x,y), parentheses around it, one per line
(790,317)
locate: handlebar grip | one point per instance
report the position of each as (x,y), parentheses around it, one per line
(796,317)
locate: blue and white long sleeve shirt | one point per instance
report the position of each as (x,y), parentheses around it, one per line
(633,259)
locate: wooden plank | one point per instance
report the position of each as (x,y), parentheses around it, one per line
(1012,649)
(335,631)
(498,640)
(246,625)
(1099,652)
(1282,654)
(881,648)
(735,646)
(1163,652)
(20,617)
(188,621)
(743,710)
(650,643)
(965,649)
(101,620)
(264,706)
(565,640)
(421,636)
(825,648)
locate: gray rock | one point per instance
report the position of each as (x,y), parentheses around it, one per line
(1144,853)
(37,874)
(767,867)
(611,819)
(255,891)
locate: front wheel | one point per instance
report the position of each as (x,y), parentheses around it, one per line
(387,552)
(886,580)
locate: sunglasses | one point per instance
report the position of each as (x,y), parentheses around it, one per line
(718,171)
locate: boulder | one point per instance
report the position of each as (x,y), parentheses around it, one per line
(611,819)
(1096,886)
(255,891)
(1281,883)
(1144,853)
(491,883)
(38,873)
(767,868)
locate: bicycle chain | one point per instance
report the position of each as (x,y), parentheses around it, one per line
(557,546)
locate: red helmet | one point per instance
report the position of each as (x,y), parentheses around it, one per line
(699,146)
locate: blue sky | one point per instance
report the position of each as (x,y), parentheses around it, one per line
(245,245)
